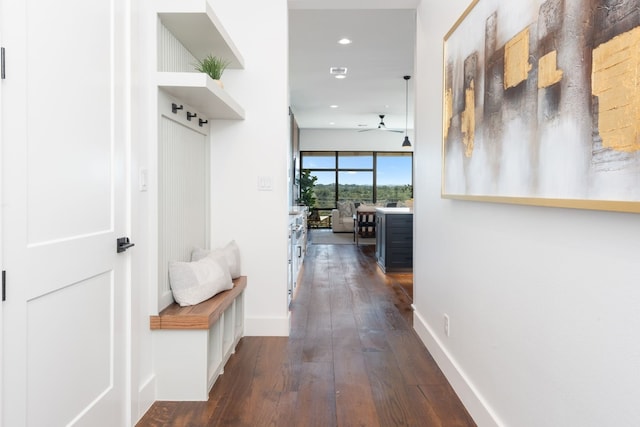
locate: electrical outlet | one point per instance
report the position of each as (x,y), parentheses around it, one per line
(446,324)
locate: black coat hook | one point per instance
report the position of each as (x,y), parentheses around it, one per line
(175,107)
(201,122)
(190,115)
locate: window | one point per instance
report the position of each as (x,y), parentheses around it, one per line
(355,186)
(355,176)
(361,177)
(394,178)
(317,160)
(325,189)
(355,160)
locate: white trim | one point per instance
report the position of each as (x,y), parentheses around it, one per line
(478,408)
(2,385)
(146,397)
(266,326)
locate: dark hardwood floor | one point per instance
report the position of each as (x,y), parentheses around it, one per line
(352,359)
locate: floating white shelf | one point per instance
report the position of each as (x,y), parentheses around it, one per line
(197,27)
(202,93)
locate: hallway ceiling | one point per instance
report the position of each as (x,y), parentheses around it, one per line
(381,53)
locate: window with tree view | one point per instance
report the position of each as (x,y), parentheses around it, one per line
(394,178)
(363,177)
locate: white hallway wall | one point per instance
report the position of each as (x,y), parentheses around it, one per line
(544,302)
(256,147)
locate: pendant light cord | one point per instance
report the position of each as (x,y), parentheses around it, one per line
(406,105)
(406,142)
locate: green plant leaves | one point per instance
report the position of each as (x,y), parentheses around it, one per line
(214,66)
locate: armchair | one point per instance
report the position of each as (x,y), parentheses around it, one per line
(341,223)
(342,217)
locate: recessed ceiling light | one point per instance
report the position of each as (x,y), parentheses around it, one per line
(344,41)
(333,106)
(332,123)
(338,71)
(341,76)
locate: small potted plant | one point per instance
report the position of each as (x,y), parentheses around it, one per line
(214,66)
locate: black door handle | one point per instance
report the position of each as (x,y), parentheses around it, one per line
(122,244)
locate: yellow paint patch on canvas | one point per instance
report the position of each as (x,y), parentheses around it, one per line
(448,111)
(548,73)
(516,59)
(469,120)
(615,81)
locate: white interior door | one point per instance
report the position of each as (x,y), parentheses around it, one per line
(64,111)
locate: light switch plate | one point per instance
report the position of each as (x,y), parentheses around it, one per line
(265,183)
(143,177)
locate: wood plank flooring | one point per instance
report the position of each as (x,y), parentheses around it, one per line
(352,359)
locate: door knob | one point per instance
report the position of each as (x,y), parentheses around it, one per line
(122,244)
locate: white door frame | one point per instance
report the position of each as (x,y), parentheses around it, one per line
(1,235)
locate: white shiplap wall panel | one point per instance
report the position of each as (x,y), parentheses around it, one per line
(172,55)
(183,197)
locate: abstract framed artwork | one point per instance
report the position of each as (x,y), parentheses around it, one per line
(541,104)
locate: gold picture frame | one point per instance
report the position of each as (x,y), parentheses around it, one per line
(541,104)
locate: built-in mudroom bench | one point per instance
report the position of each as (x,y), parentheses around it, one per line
(193,343)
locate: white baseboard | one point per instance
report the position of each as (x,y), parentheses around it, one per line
(266,326)
(146,396)
(479,410)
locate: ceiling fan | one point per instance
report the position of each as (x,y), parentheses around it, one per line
(381,126)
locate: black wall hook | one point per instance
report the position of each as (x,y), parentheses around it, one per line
(175,107)
(190,115)
(201,122)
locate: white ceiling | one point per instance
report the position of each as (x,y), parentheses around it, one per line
(382,52)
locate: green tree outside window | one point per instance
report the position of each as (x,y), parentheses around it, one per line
(307,195)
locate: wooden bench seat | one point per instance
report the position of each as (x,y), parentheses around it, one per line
(199,316)
(192,344)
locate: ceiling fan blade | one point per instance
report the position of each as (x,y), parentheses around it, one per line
(382,126)
(384,129)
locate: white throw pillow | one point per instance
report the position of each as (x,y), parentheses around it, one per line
(231,253)
(345,208)
(194,282)
(198,253)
